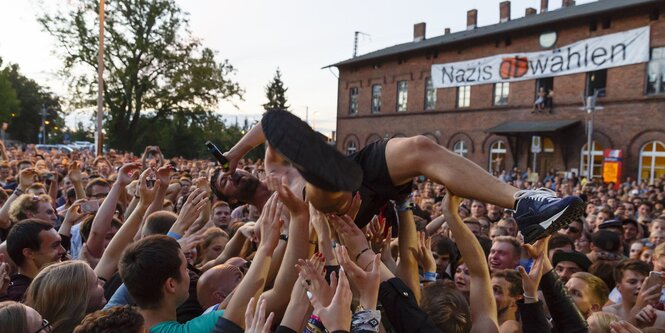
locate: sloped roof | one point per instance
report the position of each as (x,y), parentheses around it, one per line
(555,16)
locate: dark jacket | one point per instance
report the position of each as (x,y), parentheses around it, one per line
(533,317)
(18,285)
(401,309)
(566,317)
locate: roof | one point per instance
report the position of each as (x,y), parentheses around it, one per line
(543,126)
(550,17)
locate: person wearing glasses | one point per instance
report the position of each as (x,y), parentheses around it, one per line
(19,318)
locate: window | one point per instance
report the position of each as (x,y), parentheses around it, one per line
(351,146)
(460,148)
(656,71)
(652,161)
(501,91)
(464,96)
(376,98)
(353,100)
(497,161)
(595,82)
(548,145)
(402,94)
(430,95)
(596,160)
(547,83)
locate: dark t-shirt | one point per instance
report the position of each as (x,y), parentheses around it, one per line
(18,285)
(377,188)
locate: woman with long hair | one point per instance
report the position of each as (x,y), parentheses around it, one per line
(18,318)
(64,293)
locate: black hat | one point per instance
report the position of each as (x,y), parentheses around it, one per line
(630,221)
(577,257)
(613,223)
(606,240)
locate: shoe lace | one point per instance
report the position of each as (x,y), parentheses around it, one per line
(541,194)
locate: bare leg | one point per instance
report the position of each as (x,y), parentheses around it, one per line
(418,155)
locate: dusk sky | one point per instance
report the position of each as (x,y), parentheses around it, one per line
(299,37)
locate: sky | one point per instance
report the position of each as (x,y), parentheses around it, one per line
(299,37)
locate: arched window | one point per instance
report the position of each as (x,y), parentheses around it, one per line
(652,161)
(497,160)
(460,147)
(351,146)
(372,138)
(596,161)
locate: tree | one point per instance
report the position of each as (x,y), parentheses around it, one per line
(9,103)
(24,124)
(276,93)
(154,66)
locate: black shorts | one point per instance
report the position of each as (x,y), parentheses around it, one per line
(377,188)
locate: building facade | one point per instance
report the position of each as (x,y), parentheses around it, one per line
(390,93)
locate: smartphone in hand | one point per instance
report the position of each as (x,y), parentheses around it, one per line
(655,278)
(90,206)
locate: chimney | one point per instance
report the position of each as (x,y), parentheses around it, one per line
(543,5)
(419,31)
(530,11)
(567,3)
(446,31)
(504,11)
(471,19)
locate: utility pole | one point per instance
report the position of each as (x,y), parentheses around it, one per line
(43,133)
(99,139)
(590,107)
(355,42)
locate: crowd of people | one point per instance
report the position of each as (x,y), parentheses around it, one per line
(124,243)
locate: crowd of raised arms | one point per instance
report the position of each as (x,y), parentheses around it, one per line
(124,243)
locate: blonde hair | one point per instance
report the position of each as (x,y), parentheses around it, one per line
(658,252)
(209,236)
(603,320)
(26,203)
(60,292)
(13,317)
(599,289)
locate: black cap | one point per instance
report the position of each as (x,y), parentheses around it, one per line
(577,257)
(613,223)
(606,240)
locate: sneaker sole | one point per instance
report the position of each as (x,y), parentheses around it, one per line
(318,162)
(573,213)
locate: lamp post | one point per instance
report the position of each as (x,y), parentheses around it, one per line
(100,81)
(590,107)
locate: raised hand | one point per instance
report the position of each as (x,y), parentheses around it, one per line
(74,173)
(365,281)
(293,203)
(425,256)
(270,223)
(190,211)
(530,281)
(27,177)
(337,315)
(127,173)
(375,232)
(349,233)
(257,322)
(311,276)
(147,193)
(646,317)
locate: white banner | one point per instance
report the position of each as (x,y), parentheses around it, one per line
(619,49)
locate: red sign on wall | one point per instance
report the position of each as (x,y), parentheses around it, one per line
(612,165)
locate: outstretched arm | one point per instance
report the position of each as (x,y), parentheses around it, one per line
(102,222)
(108,263)
(483,308)
(251,140)
(26,178)
(254,282)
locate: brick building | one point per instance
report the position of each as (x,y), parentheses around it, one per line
(390,92)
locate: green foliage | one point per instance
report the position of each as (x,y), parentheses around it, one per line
(9,103)
(276,93)
(25,123)
(155,69)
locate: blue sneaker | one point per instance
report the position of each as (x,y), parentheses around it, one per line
(540,213)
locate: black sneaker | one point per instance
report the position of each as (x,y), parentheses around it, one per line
(540,213)
(318,162)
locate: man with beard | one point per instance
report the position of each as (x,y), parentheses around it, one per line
(507,287)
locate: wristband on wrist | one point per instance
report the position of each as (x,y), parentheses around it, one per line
(404,206)
(366,321)
(17,191)
(174,235)
(361,253)
(284,237)
(529,298)
(430,276)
